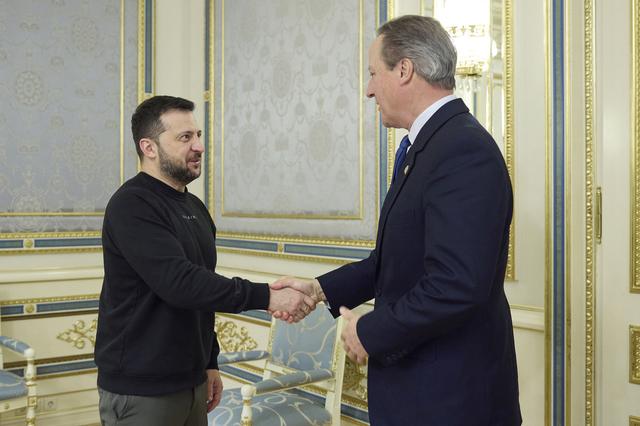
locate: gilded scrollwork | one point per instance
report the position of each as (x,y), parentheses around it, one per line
(233,338)
(80,334)
(634,354)
(590,295)
(635,174)
(355,378)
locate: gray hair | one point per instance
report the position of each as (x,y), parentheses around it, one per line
(424,42)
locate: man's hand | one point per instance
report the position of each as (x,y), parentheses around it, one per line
(310,288)
(295,304)
(352,345)
(214,389)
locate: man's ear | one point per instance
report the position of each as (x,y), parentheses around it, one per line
(406,70)
(148,147)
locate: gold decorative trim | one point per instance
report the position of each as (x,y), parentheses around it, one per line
(233,338)
(212,106)
(634,421)
(50,299)
(590,265)
(297,240)
(361,97)
(80,333)
(19,235)
(121,115)
(141,49)
(354,374)
(244,318)
(316,259)
(635,155)
(47,214)
(53,360)
(509,132)
(52,251)
(634,354)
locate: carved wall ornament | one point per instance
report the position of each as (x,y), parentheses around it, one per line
(233,338)
(355,379)
(80,333)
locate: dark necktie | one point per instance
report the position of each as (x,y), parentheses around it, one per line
(401,154)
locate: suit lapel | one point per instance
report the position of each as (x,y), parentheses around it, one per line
(439,119)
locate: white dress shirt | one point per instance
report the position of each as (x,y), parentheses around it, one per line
(422,119)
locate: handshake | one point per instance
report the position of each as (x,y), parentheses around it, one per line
(292,299)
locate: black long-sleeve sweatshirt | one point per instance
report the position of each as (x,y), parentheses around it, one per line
(155,322)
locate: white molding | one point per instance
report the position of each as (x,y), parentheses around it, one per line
(528,318)
(31,275)
(81,416)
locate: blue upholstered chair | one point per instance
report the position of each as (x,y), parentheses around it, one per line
(301,354)
(15,391)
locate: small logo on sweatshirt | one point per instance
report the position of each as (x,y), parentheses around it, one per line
(189,217)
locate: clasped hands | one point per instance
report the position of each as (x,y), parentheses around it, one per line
(292,299)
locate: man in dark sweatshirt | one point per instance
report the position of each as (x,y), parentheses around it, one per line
(156,349)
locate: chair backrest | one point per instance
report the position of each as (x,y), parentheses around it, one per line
(313,343)
(306,345)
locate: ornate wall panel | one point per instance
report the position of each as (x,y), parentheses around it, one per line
(292,138)
(70,83)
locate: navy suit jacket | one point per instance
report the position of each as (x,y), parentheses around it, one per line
(440,337)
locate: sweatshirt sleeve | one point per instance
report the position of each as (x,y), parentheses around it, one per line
(137,233)
(215,350)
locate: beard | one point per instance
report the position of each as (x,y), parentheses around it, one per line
(175,170)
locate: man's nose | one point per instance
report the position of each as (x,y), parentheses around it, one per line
(370,93)
(198,145)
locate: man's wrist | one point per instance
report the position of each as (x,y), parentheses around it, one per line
(318,292)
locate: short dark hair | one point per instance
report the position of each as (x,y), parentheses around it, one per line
(424,42)
(145,121)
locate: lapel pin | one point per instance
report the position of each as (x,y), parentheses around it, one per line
(406,169)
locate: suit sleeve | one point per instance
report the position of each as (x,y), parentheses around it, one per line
(350,285)
(149,245)
(466,204)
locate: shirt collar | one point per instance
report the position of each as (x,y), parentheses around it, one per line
(422,119)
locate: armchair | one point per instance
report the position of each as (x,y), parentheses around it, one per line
(15,391)
(301,354)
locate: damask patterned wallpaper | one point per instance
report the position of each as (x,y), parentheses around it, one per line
(62,64)
(294,136)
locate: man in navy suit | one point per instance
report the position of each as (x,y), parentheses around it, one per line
(440,339)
